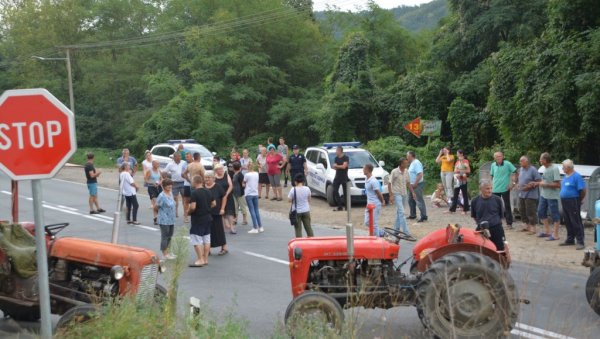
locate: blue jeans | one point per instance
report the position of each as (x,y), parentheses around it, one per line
(376,231)
(418,202)
(252,201)
(400,219)
(552,204)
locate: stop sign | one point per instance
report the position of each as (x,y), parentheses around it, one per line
(37,134)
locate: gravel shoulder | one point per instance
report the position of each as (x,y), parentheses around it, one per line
(523,247)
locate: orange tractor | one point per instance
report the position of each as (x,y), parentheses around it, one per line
(458,281)
(81,273)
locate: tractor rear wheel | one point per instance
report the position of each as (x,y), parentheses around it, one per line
(592,290)
(467,295)
(314,306)
(76,315)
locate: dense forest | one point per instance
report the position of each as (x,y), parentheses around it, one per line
(520,75)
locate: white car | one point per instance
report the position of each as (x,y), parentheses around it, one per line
(321,174)
(164,152)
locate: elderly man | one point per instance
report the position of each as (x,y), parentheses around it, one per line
(503,175)
(528,177)
(488,207)
(415,174)
(175,171)
(549,195)
(572,192)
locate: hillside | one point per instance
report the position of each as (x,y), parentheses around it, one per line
(417,18)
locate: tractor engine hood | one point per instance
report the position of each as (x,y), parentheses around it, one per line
(102,254)
(335,248)
(442,237)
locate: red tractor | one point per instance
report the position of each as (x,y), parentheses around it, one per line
(82,273)
(458,281)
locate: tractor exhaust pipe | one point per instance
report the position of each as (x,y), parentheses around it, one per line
(349,227)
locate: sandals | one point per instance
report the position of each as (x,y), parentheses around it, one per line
(552,238)
(543,235)
(223,252)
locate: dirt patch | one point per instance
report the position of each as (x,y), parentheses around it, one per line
(523,247)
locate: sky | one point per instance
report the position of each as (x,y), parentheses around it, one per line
(320,5)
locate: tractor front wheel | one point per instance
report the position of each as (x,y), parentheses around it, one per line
(314,306)
(592,290)
(76,315)
(467,295)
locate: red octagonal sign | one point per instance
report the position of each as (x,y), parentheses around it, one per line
(37,134)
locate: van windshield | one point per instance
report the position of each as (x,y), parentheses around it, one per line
(357,159)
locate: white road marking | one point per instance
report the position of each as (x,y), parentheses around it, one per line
(279,261)
(522,334)
(67,207)
(78,183)
(73,211)
(542,331)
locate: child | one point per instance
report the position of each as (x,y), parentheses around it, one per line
(438,198)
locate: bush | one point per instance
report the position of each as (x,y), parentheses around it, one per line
(103,157)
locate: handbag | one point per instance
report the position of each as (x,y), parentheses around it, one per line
(293,213)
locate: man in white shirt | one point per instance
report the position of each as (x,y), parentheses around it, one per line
(175,170)
(415,174)
(374,197)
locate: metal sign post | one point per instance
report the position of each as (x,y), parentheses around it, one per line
(117,215)
(42,259)
(14,189)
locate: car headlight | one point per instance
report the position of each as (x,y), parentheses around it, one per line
(117,272)
(386,179)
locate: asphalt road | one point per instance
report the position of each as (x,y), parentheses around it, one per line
(252,281)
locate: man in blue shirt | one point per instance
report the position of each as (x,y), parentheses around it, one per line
(415,199)
(572,192)
(374,197)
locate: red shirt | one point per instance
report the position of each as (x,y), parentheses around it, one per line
(273,163)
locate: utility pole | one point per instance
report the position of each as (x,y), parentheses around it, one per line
(69,75)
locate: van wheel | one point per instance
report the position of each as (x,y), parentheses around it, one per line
(330,199)
(76,315)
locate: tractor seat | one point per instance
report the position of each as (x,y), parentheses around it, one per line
(19,246)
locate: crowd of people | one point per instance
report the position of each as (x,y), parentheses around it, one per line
(210,200)
(538,195)
(214,199)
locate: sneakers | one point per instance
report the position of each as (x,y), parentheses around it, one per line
(566,244)
(422,220)
(94,212)
(100,210)
(253,231)
(170,256)
(580,247)
(260,229)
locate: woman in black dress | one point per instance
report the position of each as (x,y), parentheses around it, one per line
(217,232)
(224,180)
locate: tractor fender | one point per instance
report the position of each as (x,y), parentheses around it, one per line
(423,263)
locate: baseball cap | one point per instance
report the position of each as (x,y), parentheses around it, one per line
(295,147)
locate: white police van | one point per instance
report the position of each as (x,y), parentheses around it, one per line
(164,152)
(321,173)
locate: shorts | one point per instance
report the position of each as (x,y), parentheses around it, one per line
(154,191)
(275,180)
(177,188)
(263,178)
(93,189)
(199,239)
(546,204)
(187,191)
(528,211)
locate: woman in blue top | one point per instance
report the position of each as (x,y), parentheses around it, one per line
(572,192)
(165,207)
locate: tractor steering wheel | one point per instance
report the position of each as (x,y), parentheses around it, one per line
(399,234)
(53,229)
